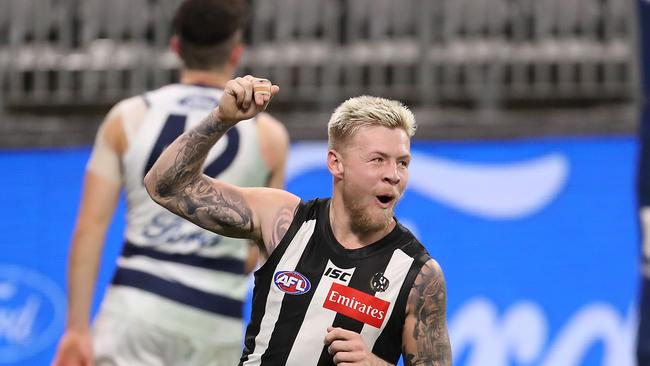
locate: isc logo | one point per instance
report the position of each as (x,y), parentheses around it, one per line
(291,282)
(337,274)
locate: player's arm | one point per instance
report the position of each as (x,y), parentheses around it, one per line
(425,339)
(100,195)
(274,145)
(176,180)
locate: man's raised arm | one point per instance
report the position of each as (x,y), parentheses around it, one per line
(176,181)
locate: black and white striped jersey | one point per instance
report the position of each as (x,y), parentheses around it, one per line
(310,282)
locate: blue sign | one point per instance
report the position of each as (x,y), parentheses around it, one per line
(40,196)
(537,238)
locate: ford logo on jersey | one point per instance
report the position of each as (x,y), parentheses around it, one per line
(291,282)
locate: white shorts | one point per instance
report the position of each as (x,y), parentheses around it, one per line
(122,342)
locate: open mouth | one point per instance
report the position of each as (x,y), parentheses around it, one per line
(385,199)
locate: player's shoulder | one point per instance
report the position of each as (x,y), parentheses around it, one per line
(429,280)
(122,110)
(272,127)
(132,104)
(431,268)
(113,129)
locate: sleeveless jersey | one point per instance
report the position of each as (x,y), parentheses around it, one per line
(172,272)
(311,282)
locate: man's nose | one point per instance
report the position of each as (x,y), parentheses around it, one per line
(391,174)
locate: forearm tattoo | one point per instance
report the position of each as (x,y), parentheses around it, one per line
(190,194)
(428,300)
(193,147)
(223,210)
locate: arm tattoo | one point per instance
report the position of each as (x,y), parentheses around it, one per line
(281,225)
(190,194)
(207,206)
(193,148)
(428,301)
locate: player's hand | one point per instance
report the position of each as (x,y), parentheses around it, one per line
(245,97)
(347,349)
(75,349)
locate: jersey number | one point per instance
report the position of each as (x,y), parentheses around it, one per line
(174,127)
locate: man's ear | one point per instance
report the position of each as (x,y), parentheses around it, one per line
(236,54)
(175,45)
(334,163)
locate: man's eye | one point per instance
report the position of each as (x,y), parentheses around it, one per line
(405,164)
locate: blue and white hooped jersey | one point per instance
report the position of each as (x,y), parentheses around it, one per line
(172,272)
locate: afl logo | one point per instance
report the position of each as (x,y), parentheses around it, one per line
(291,282)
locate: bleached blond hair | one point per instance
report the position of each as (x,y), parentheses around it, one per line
(365,111)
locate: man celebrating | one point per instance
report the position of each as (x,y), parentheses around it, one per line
(344,282)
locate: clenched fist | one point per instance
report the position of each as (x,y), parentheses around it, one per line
(245,97)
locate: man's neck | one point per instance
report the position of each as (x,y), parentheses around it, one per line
(207,78)
(344,231)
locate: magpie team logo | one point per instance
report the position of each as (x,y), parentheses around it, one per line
(291,282)
(378,282)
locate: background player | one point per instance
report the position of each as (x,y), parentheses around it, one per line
(176,296)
